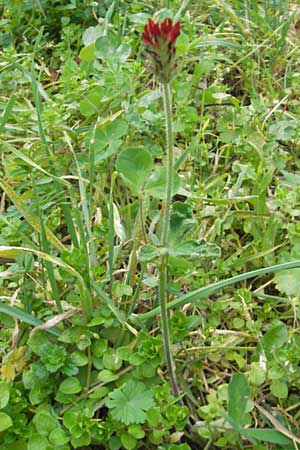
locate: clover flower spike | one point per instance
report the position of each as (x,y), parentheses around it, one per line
(155,33)
(160,39)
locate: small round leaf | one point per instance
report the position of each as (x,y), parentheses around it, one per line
(70,386)
(5,421)
(58,437)
(37,442)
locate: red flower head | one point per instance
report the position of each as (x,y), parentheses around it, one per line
(160,39)
(156,33)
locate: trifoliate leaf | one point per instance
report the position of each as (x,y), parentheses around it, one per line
(257,374)
(108,139)
(156,183)
(128,405)
(181,220)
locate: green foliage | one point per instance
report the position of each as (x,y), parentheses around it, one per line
(129,405)
(135,165)
(107,139)
(156,184)
(5,421)
(238,391)
(287,282)
(53,356)
(70,385)
(4,394)
(83,182)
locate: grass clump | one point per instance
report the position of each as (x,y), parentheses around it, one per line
(91,231)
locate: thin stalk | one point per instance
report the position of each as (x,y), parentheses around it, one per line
(169,164)
(163,263)
(85,211)
(143,228)
(92,168)
(89,370)
(111,233)
(136,292)
(138,233)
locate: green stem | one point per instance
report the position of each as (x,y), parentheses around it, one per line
(163,263)
(143,228)
(89,370)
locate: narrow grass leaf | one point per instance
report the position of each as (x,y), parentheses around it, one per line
(27,75)
(27,214)
(64,204)
(85,208)
(216,42)
(7,111)
(18,314)
(265,435)
(214,287)
(45,248)
(32,163)
(108,301)
(86,301)
(111,234)
(279,427)
(233,16)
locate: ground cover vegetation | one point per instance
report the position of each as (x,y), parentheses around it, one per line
(128,322)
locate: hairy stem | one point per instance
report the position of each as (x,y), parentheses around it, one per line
(163,263)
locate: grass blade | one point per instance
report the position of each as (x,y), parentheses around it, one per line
(85,208)
(212,288)
(215,42)
(17,313)
(108,301)
(59,190)
(27,214)
(32,163)
(26,73)
(6,114)
(45,248)
(11,252)
(111,233)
